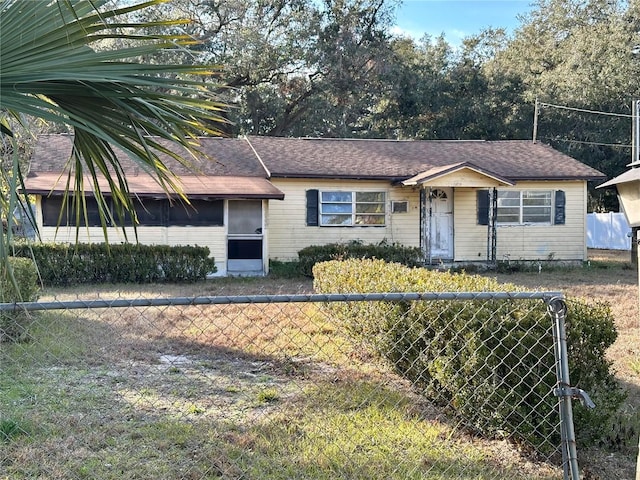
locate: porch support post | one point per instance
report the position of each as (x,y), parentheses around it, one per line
(430,220)
(492,233)
(424,234)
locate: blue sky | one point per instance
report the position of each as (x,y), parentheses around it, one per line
(458,18)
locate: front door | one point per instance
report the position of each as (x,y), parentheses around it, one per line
(245,239)
(441,224)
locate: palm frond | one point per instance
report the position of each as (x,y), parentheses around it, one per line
(110,99)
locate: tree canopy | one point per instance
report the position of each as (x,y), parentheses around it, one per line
(334,68)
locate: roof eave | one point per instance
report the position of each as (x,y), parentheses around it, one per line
(434,174)
(563,178)
(317,176)
(222,196)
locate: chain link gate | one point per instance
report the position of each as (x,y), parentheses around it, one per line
(288,387)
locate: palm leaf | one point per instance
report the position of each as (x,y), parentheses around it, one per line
(111,100)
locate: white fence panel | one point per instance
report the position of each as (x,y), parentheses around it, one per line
(608,231)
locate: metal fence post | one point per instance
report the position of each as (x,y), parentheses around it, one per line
(558,310)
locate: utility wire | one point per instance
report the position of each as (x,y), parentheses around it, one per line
(615,145)
(583,110)
(597,112)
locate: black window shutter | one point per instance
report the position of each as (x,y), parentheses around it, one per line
(559,215)
(483,207)
(312,208)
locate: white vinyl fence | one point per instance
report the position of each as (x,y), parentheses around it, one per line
(608,231)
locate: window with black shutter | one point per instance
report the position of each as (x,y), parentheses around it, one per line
(312,208)
(483,207)
(560,208)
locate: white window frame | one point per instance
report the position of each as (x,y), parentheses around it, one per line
(520,209)
(351,208)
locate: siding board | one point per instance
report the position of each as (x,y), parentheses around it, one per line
(289,233)
(524,242)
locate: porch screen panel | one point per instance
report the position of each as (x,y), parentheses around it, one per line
(52,207)
(199,213)
(150,212)
(245,217)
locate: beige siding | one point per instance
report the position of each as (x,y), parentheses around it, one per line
(524,242)
(288,232)
(462,178)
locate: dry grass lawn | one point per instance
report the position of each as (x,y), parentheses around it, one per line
(608,277)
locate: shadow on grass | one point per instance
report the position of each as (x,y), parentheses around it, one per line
(108,398)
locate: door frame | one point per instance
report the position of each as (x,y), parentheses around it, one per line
(427,224)
(253,266)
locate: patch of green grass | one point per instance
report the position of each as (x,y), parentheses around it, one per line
(194,409)
(268,395)
(9,429)
(361,431)
(53,336)
(634,365)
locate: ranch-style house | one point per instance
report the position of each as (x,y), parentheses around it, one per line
(255,199)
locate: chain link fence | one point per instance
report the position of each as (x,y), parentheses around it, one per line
(279,387)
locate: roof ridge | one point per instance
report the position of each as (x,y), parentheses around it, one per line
(258,157)
(408,140)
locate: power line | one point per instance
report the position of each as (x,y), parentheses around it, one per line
(582,110)
(615,145)
(596,112)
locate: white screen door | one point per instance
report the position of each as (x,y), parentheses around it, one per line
(441,238)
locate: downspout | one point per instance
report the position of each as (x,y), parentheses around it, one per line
(423,224)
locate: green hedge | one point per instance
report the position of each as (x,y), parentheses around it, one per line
(390,252)
(488,362)
(65,264)
(13,324)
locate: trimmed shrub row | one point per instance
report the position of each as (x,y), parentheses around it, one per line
(397,253)
(65,264)
(487,362)
(13,324)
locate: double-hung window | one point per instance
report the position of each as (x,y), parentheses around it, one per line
(525,207)
(339,208)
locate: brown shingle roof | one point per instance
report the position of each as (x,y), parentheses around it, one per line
(398,160)
(230,159)
(229,170)
(224,157)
